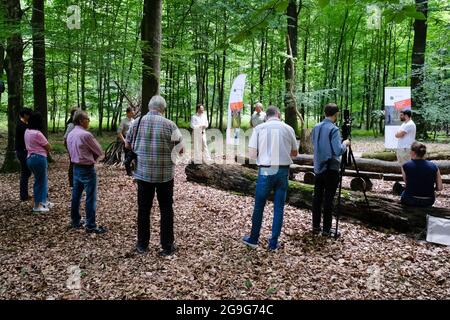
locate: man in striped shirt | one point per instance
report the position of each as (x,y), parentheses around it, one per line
(155,139)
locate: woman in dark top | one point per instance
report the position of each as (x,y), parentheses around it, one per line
(422,178)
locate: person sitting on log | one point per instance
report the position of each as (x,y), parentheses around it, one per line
(422,177)
(273,144)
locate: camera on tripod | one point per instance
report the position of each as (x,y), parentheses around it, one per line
(347,126)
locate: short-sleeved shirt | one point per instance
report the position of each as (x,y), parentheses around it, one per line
(406,141)
(154,143)
(124,126)
(420,178)
(35,142)
(274,141)
(20,136)
(258,118)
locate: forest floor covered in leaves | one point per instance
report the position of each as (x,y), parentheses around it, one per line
(38,253)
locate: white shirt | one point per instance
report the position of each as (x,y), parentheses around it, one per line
(198,121)
(124,126)
(274,141)
(258,118)
(406,141)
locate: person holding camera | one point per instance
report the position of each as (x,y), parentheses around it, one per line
(328,150)
(155,140)
(84,152)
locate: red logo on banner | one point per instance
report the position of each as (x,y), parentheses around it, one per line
(236,105)
(404,104)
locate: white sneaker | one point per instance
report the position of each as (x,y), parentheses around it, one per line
(49,205)
(41,209)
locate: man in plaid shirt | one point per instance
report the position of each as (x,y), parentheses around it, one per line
(157,142)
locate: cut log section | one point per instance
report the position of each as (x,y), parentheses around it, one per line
(383,212)
(392,156)
(309,177)
(373,165)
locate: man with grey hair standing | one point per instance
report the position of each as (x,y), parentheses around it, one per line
(84,151)
(153,139)
(273,144)
(259,116)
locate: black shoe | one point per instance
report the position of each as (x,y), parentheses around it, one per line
(141,250)
(168,252)
(97,230)
(76,226)
(316,230)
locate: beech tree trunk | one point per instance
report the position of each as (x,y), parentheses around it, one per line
(14,67)
(151,48)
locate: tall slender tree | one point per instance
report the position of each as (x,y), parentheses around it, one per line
(14,71)
(418,62)
(39,79)
(151,49)
(289,68)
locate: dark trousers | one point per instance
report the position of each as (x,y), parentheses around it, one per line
(70,173)
(325,187)
(25,174)
(164,194)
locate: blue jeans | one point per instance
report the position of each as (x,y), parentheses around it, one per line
(25,174)
(84,178)
(38,166)
(270,179)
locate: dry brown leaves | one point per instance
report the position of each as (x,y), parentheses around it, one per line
(37,251)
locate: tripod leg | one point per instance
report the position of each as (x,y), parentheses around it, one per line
(357,174)
(338,206)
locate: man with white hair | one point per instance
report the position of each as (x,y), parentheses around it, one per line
(153,139)
(259,116)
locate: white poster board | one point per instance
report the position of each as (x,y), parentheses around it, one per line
(235,105)
(438,230)
(396,99)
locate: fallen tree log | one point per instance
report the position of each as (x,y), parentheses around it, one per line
(383,212)
(392,156)
(373,165)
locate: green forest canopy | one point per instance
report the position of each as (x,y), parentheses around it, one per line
(206,43)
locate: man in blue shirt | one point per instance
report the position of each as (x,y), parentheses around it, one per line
(328,149)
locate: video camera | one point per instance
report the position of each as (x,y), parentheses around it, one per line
(347,125)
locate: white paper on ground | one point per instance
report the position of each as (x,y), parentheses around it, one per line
(438,230)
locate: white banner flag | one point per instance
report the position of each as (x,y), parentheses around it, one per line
(235,106)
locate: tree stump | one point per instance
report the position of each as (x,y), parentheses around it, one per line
(361,184)
(309,178)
